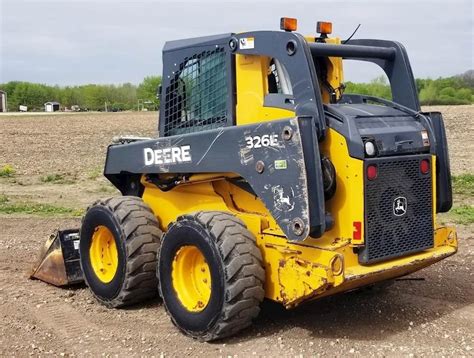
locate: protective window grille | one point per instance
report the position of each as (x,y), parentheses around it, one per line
(196,98)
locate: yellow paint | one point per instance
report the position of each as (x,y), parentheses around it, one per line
(347,205)
(281,257)
(358,276)
(252,86)
(181,200)
(300,280)
(191,278)
(331,260)
(433,193)
(103,254)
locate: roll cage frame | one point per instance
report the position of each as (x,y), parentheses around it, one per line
(297,56)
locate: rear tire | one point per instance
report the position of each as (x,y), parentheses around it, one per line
(118,249)
(235,289)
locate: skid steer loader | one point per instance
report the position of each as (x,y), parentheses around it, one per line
(266,181)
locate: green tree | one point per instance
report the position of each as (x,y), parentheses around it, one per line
(465,94)
(450,90)
(378,87)
(148,89)
(429,94)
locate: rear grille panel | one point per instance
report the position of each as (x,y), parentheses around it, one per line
(388,232)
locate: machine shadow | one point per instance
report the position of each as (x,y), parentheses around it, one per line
(380,310)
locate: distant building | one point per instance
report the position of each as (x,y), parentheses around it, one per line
(3,101)
(51,106)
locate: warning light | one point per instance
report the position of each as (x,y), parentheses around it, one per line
(324,28)
(288,24)
(372,172)
(425,166)
(357,230)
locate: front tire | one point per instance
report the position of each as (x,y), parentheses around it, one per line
(119,241)
(210,275)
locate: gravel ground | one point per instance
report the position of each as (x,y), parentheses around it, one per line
(430,313)
(459,123)
(73,143)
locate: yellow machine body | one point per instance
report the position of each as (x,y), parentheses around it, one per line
(296,272)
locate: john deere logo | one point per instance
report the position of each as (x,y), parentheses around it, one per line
(400,206)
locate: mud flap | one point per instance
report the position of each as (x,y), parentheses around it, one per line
(58,262)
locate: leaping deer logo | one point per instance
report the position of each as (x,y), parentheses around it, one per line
(400,205)
(284,199)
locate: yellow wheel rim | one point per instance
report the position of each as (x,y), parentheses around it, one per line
(103,254)
(191,278)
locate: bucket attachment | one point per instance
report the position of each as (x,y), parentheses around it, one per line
(58,262)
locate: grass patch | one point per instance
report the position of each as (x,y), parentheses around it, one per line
(107,189)
(8,207)
(463,184)
(7,171)
(95,173)
(463,214)
(57,179)
(52,178)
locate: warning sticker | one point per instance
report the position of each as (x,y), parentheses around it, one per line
(280,164)
(246,43)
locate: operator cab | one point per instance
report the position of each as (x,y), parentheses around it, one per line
(244,79)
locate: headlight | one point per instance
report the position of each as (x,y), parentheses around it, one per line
(369,148)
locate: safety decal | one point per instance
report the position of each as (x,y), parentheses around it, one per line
(281,164)
(283,198)
(246,43)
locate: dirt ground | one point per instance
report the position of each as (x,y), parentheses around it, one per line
(429,313)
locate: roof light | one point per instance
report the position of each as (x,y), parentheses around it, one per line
(288,23)
(324,28)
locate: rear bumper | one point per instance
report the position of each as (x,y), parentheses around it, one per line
(302,279)
(359,276)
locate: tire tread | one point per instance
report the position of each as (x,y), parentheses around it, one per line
(243,269)
(142,237)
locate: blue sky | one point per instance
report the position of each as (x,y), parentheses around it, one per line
(76,42)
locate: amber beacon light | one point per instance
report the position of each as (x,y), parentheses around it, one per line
(324,28)
(288,24)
